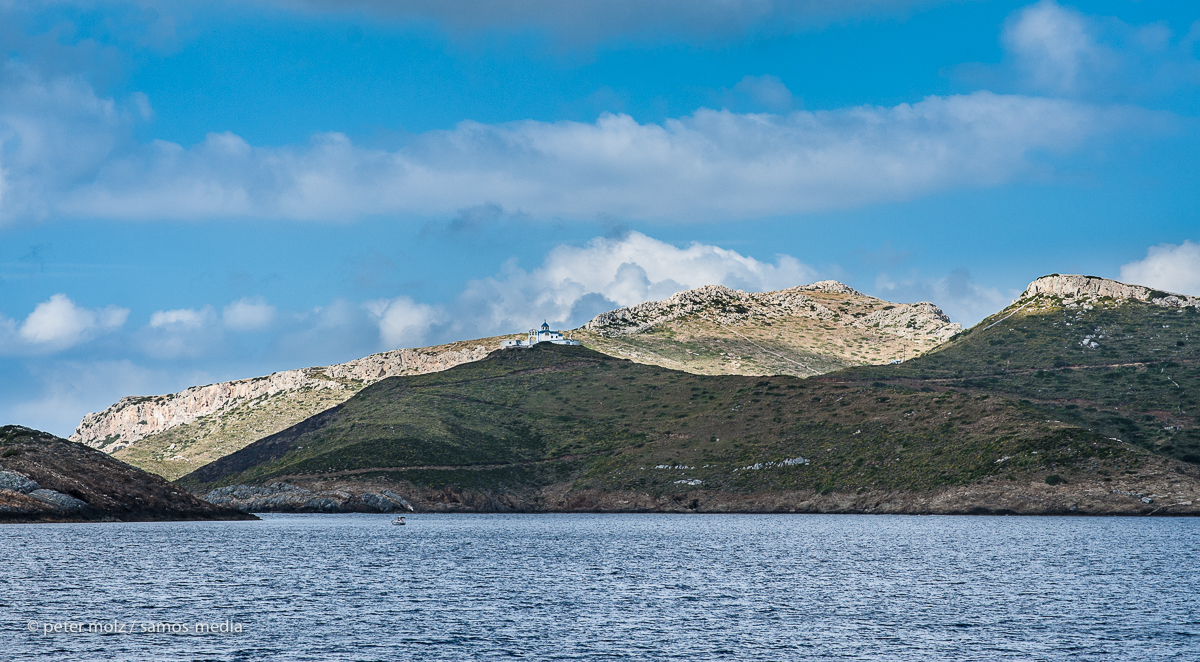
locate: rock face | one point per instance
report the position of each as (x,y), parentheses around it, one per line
(287,498)
(47,479)
(136,417)
(730,307)
(1092,288)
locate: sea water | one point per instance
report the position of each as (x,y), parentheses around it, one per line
(602,587)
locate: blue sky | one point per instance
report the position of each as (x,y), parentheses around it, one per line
(195,192)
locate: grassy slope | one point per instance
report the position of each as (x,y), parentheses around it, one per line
(1139,384)
(554,415)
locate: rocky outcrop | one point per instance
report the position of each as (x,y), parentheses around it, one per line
(135,417)
(912,319)
(730,307)
(1091,288)
(47,479)
(829,286)
(287,498)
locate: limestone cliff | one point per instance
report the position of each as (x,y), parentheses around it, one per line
(1092,288)
(136,417)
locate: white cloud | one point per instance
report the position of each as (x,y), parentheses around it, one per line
(1054,46)
(182,333)
(710,165)
(1167,267)
(248,314)
(963,300)
(58,324)
(182,318)
(402,321)
(576,283)
(1061,51)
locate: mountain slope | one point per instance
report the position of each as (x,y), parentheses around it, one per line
(47,479)
(1122,360)
(172,434)
(801,331)
(565,428)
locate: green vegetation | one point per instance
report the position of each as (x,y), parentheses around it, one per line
(1126,370)
(570,416)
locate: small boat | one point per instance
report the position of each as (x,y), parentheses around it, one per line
(399,521)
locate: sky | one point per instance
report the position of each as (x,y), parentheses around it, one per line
(193,192)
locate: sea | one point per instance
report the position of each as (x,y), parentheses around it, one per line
(604,587)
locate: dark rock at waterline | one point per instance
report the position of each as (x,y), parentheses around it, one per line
(287,498)
(47,479)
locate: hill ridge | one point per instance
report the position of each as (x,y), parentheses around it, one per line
(133,418)
(1074,286)
(729,306)
(802,331)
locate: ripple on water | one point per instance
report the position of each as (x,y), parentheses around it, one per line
(581,587)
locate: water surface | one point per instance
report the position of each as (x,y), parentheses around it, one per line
(591,587)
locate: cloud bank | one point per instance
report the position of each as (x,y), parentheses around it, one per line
(1167,267)
(710,165)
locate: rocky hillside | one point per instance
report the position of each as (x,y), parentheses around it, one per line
(802,331)
(172,434)
(136,417)
(47,479)
(1122,360)
(556,428)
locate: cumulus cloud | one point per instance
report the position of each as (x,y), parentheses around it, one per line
(1061,51)
(181,333)
(1167,267)
(572,285)
(248,314)
(182,318)
(575,283)
(962,299)
(402,321)
(710,165)
(58,324)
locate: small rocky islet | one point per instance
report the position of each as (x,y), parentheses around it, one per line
(44,478)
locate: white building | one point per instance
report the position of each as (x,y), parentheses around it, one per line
(536,336)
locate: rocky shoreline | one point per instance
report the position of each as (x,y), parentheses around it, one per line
(287,498)
(1165,493)
(47,479)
